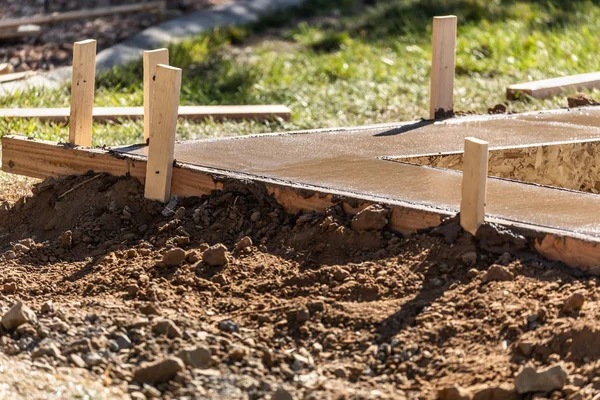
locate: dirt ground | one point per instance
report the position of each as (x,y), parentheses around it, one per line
(53,46)
(227,296)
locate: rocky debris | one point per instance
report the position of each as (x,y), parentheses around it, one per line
(282,394)
(498,109)
(166,327)
(149,309)
(122,341)
(526,347)
(504,391)
(545,380)
(469,258)
(174,257)
(197,357)
(573,303)
(66,240)
(18,315)
(229,326)
(216,256)
(48,307)
(373,217)
(454,392)
(159,371)
(580,100)
(243,244)
(497,273)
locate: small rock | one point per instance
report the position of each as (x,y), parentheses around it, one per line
(192,257)
(76,360)
(197,357)
(238,353)
(182,240)
(21,248)
(216,256)
(340,274)
(48,307)
(174,257)
(525,347)
(132,290)
(282,394)
(66,240)
(503,391)
(373,217)
(497,273)
(229,326)
(17,315)
(573,303)
(159,371)
(545,380)
(10,255)
(472,273)
(243,244)
(580,100)
(123,341)
(341,372)
(469,258)
(454,392)
(149,309)
(166,327)
(10,287)
(92,359)
(302,315)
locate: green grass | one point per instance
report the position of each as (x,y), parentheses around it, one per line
(346,62)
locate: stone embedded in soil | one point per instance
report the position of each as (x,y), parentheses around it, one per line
(243,244)
(123,341)
(18,315)
(229,326)
(531,380)
(580,100)
(159,371)
(454,393)
(48,307)
(216,256)
(197,357)
(503,391)
(371,218)
(469,258)
(66,240)
(166,327)
(282,394)
(149,309)
(174,257)
(573,303)
(497,273)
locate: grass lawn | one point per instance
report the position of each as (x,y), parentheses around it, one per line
(347,62)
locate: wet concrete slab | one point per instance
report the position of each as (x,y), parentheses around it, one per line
(357,160)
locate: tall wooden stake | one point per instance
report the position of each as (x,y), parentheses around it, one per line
(474,184)
(443,63)
(151,59)
(165,104)
(82,93)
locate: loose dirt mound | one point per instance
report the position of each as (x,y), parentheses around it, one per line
(229,297)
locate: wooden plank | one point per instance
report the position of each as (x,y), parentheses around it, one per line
(82,93)
(443,61)
(474,184)
(80,14)
(551,87)
(151,59)
(15,76)
(161,146)
(40,159)
(114,114)
(20,32)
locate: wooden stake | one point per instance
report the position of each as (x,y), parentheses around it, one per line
(161,146)
(151,59)
(82,93)
(474,184)
(443,63)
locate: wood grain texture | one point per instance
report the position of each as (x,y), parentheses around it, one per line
(82,93)
(115,114)
(552,87)
(151,59)
(474,184)
(163,127)
(443,61)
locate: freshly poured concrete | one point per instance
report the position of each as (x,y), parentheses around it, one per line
(357,160)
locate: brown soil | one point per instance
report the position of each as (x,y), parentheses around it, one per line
(310,305)
(581,100)
(53,47)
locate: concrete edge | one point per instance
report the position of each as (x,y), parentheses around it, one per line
(172,31)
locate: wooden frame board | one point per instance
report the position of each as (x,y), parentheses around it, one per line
(41,159)
(554,86)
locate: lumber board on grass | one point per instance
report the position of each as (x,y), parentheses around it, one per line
(218,113)
(443,62)
(80,14)
(151,59)
(161,146)
(41,159)
(83,85)
(474,184)
(551,87)
(15,76)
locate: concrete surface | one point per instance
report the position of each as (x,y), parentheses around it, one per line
(236,13)
(360,161)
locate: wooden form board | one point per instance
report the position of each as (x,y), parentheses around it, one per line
(218,113)
(474,184)
(151,59)
(83,85)
(80,14)
(161,147)
(443,60)
(40,159)
(552,87)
